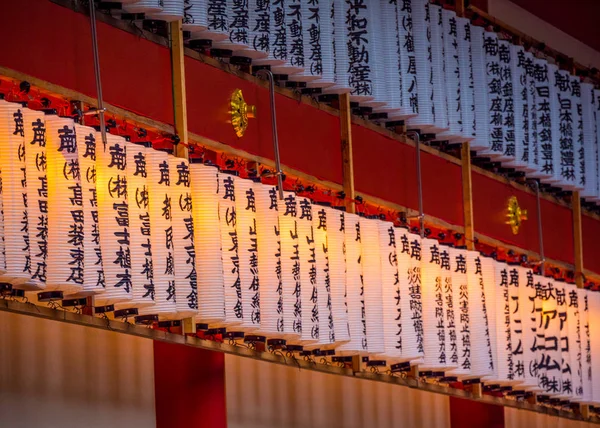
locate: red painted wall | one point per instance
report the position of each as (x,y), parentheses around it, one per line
(467,414)
(189,387)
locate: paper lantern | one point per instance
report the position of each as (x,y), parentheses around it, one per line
(533,154)
(310,16)
(578,138)
(357,323)
(377,62)
(450,310)
(564,340)
(140,245)
(287,17)
(586,346)
(238,26)
(461,304)
(234,310)
(207,240)
(37,194)
(488,268)
(390,67)
(479,273)
(93,271)
(390,293)
(438,70)
(184,251)
(423,63)
(14,198)
(564,131)
(326,63)
(194,15)
(269,26)
(590,146)
(505,60)
(159,180)
(336,251)
(519,148)
(408,67)
(480,89)
(172,10)
(372,287)
(247,237)
(309,295)
(326,314)
(259,37)
(434,320)
(290,265)
(339,48)
(217,19)
(65,260)
(597,120)
(144,6)
(543,107)
(408,252)
(493,89)
(269,260)
(451,81)
(516,280)
(529,323)
(594,327)
(465,63)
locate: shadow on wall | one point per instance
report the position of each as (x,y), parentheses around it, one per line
(61,375)
(269,395)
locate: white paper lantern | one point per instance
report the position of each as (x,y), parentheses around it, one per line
(519,148)
(450,310)
(590,147)
(371,273)
(479,273)
(290,265)
(311,14)
(326,314)
(247,236)
(339,48)
(597,121)
(275,32)
(594,327)
(37,194)
(160,207)
(544,89)
(207,239)
(65,261)
(379,51)
(529,324)
(238,29)
(564,172)
(434,320)
(144,6)
(506,60)
(438,71)
(465,62)
(389,63)
(186,276)
(217,19)
(93,273)
(140,246)
(533,153)
(14,189)
(259,37)
(493,89)
(288,46)
(452,82)
(578,136)
(564,343)
(390,292)
(194,15)
(269,260)
(488,268)
(357,323)
(336,251)
(407,61)
(480,89)
(172,10)
(234,310)
(461,300)
(421,33)
(408,251)
(326,65)
(586,346)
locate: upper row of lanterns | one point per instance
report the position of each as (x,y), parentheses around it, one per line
(157,235)
(419,62)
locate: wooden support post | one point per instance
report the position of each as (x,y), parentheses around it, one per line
(346,140)
(356,363)
(188,325)
(460,8)
(179,97)
(467,189)
(577,240)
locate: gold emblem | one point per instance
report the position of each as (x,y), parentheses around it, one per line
(515,215)
(240,113)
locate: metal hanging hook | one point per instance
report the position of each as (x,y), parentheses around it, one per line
(100,110)
(278,171)
(421,215)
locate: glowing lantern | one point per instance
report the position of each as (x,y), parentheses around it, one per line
(529,325)
(588,361)
(390,292)
(160,209)
(461,302)
(323,279)
(93,272)
(184,252)
(594,327)
(207,239)
(65,261)
(450,313)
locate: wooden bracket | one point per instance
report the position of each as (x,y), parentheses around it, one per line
(467,189)
(577,240)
